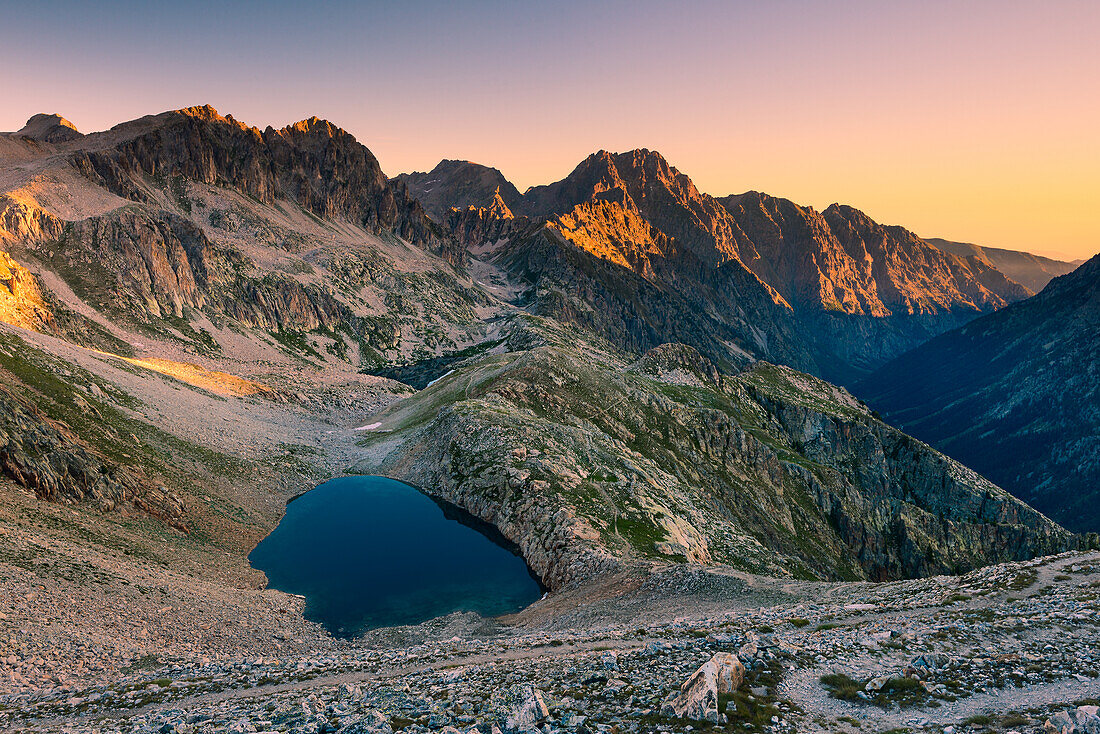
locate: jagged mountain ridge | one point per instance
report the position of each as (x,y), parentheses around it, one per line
(312,162)
(859,292)
(1015,395)
(1031,271)
(462,184)
(193,215)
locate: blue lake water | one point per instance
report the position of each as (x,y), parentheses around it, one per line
(371,552)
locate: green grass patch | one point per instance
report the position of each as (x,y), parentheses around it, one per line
(842,686)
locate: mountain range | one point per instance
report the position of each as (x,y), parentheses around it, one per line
(1031,271)
(835,293)
(616,370)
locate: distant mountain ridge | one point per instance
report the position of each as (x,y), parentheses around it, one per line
(461,184)
(846,292)
(1031,271)
(1014,395)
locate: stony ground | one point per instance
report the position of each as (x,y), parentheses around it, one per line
(1002,648)
(114,623)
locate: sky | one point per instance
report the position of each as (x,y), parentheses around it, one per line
(975,121)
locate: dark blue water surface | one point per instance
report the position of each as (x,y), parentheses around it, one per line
(371,552)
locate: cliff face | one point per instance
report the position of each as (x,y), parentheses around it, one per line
(152,267)
(311,162)
(589,462)
(842,261)
(915,278)
(857,292)
(1015,395)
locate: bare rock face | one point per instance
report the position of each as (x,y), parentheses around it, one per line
(915,278)
(519,708)
(21,301)
(311,162)
(482,227)
(153,265)
(48,460)
(730,671)
(698,696)
(20,221)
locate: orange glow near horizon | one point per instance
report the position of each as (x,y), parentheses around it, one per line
(970,121)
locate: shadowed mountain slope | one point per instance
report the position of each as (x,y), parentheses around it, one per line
(1014,395)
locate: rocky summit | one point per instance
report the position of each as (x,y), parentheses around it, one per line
(619,377)
(661,261)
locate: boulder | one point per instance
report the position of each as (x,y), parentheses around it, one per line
(1082,720)
(698,696)
(520,706)
(731,672)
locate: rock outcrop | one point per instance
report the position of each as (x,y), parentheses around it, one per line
(698,696)
(48,460)
(21,300)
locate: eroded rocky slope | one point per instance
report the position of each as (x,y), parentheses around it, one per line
(591,463)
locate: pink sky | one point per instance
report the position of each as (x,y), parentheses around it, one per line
(973,121)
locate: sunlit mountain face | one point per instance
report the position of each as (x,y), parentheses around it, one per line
(839,293)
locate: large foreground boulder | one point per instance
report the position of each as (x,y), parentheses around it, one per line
(1082,720)
(519,707)
(698,696)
